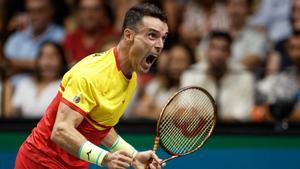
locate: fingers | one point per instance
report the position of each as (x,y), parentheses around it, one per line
(121,164)
(125,156)
(120,160)
(154,165)
(155,158)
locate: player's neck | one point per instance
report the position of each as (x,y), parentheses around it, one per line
(123,60)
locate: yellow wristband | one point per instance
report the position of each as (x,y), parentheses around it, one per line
(91,153)
(121,144)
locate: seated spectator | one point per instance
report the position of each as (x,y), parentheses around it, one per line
(158,91)
(22,47)
(285,86)
(249,46)
(5,87)
(199,18)
(120,8)
(32,94)
(280,47)
(230,85)
(95,19)
(272,17)
(5,97)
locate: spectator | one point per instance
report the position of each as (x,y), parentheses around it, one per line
(199,18)
(230,85)
(32,94)
(5,88)
(5,96)
(22,46)
(280,47)
(120,8)
(249,46)
(158,91)
(285,86)
(95,19)
(273,17)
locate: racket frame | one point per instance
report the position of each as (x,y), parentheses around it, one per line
(157,136)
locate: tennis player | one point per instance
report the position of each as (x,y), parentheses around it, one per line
(91,99)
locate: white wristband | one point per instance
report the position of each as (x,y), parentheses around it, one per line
(121,144)
(91,153)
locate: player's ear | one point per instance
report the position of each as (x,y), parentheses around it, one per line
(128,35)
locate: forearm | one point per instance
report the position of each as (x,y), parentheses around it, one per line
(68,138)
(114,143)
(110,139)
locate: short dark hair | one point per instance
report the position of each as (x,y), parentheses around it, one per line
(220,34)
(135,14)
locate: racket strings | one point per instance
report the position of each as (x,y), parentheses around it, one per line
(179,144)
(192,124)
(185,140)
(202,135)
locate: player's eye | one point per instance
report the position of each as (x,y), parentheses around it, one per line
(152,36)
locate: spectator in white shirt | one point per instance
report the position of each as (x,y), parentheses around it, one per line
(32,94)
(231,86)
(272,17)
(199,18)
(249,46)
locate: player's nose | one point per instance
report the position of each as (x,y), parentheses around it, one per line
(159,45)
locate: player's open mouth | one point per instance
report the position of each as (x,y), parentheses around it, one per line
(150,59)
(147,62)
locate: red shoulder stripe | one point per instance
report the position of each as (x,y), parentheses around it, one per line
(73,106)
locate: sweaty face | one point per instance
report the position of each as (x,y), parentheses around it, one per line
(148,42)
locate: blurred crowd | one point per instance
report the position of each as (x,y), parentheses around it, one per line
(246,53)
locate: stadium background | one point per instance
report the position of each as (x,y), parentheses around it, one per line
(257,143)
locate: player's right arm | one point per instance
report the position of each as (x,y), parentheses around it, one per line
(66,135)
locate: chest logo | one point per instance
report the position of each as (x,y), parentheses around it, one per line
(76,99)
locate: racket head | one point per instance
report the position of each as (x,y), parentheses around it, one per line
(184,136)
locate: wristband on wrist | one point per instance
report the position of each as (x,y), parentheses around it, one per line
(91,153)
(121,144)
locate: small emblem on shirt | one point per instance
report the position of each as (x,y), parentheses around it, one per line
(76,99)
(123,101)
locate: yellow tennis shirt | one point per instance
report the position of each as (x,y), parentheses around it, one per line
(97,88)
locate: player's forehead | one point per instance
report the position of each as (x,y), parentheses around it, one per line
(151,23)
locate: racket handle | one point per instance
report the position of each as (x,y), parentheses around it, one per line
(156,141)
(155,146)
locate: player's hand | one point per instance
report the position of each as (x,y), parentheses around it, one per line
(117,160)
(146,159)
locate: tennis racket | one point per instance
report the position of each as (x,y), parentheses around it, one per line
(186,122)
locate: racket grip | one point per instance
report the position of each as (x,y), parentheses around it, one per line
(155,146)
(156,141)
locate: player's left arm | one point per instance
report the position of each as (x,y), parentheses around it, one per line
(114,143)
